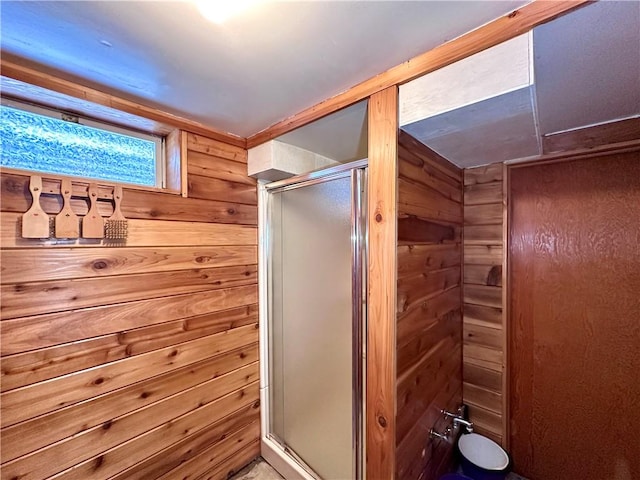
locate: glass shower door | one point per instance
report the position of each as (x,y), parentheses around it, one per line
(314,372)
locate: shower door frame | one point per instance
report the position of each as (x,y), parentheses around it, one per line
(277,453)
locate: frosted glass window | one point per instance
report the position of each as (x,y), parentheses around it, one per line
(42,143)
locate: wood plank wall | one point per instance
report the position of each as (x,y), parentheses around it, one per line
(483,320)
(429,323)
(135,361)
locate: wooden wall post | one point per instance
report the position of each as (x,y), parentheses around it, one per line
(381,346)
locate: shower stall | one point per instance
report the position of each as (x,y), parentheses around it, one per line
(313,322)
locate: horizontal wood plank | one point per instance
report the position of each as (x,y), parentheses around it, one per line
(413,289)
(594,136)
(210,146)
(482,314)
(424,381)
(221,168)
(233,463)
(483,193)
(421,314)
(28,333)
(483,235)
(29,265)
(37,298)
(414,348)
(427,204)
(490,275)
(91,442)
(416,170)
(28,436)
(483,335)
(123,456)
(483,295)
(486,174)
(27,402)
(489,357)
(483,255)
(486,214)
(417,231)
(143,205)
(208,188)
(171,457)
(481,397)
(486,419)
(417,259)
(141,233)
(137,204)
(430,157)
(482,377)
(198,466)
(25,368)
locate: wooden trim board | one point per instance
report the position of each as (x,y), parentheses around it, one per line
(381,332)
(41,79)
(504,28)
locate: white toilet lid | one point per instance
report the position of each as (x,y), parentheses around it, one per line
(483,452)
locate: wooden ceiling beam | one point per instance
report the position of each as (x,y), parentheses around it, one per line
(27,74)
(500,30)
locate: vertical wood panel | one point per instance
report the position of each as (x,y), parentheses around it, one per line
(574,280)
(429,338)
(381,345)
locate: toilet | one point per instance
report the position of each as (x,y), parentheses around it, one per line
(482,458)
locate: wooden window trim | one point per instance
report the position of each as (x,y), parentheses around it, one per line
(175,140)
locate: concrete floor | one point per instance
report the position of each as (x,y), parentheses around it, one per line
(257,470)
(261,470)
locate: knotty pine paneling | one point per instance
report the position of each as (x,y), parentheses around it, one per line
(483,331)
(136,360)
(429,307)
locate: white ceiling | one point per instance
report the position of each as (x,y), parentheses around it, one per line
(586,71)
(244,75)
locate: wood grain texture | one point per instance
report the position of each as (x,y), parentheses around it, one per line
(114,460)
(381,332)
(26,333)
(66,264)
(92,441)
(139,204)
(429,330)
(493,33)
(28,436)
(574,279)
(484,319)
(141,233)
(33,366)
(184,450)
(85,384)
(135,358)
(594,136)
(37,298)
(216,148)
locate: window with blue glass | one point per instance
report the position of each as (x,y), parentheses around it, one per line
(42,140)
